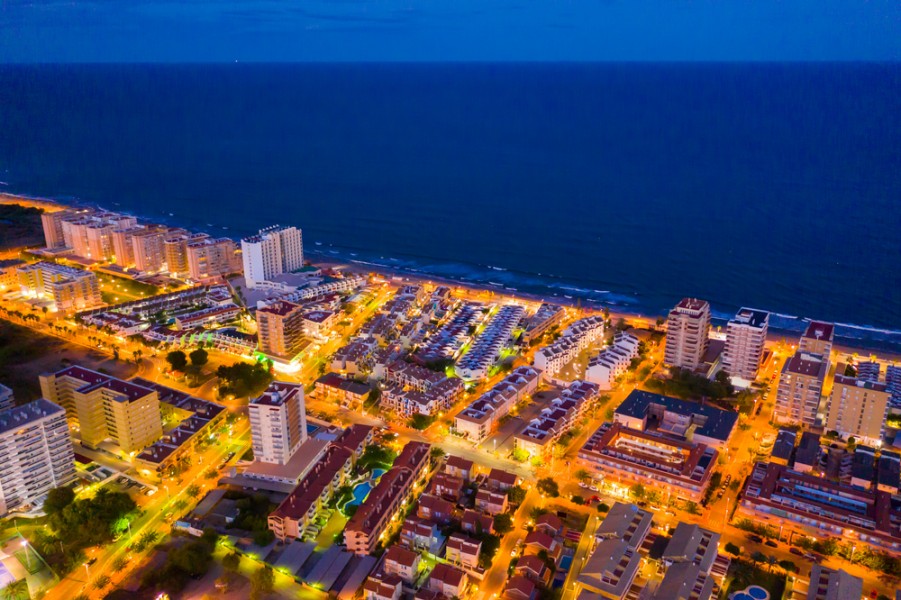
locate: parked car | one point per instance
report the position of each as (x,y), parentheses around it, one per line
(771,544)
(755,538)
(795,551)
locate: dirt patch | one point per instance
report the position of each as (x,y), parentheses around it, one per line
(25,354)
(20,226)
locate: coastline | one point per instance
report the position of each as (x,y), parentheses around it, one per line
(785,327)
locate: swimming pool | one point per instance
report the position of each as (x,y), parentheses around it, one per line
(311,429)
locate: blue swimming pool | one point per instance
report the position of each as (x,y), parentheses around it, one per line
(565,562)
(311,429)
(376,473)
(361,490)
(757,593)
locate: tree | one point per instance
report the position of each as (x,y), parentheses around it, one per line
(637,491)
(231,562)
(692,508)
(193,490)
(58,499)
(16,590)
(503,524)
(101,582)
(262,582)
(583,475)
(516,494)
(177,360)
(199,357)
(732,549)
(119,564)
(548,487)
(577,499)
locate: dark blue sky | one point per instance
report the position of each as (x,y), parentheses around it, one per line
(455,30)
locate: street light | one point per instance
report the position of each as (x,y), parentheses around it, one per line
(28,560)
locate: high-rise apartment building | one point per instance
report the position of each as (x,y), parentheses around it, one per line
(52,223)
(745,338)
(70,289)
(686,333)
(37,454)
(857,408)
(149,252)
(208,258)
(275,250)
(280,329)
(818,338)
(801,388)
(104,407)
(123,244)
(278,422)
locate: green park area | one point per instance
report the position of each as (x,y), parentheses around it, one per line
(116,290)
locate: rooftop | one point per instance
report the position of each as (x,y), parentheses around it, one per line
(14,418)
(751,317)
(715,423)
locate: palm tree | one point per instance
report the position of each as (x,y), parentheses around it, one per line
(16,590)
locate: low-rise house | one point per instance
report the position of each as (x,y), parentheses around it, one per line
(833,584)
(685,581)
(458,467)
(435,509)
(691,543)
(476,522)
(610,570)
(550,524)
(447,486)
(534,569)
(463,550)
(538,541)
(333,388)
(520,588)
(625,522)
(493,503)
(447,581)
(383,587)
(501,481)
(421,535)
(402,562)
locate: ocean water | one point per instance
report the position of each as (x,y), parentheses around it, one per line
(775,186)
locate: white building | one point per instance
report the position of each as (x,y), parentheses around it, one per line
(275,250)
(613,361)
(745,338)
(278,422)
(37,454)
(686,333)
(578,336)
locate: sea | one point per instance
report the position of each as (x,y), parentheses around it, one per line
(773,186)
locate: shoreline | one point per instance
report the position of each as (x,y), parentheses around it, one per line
(888,348)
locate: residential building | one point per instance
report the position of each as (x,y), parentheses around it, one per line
(37,454)
(447,486)
(487,347)
(123,245)
(519,588)
(579,335)
(493,503)
(475,522)
(858,408)
(784,446)
(447,581)
(626,522)
(499,480)
(477,421)
(546,317)
(613,361)
(610,570)
(458,467)
(209,258)
(893,384)
(69,288)
(421,535)
(273,251)
(745,338)
(383,587)
(333,388)
(888,472)
(685,581)
(280,329)
(364,530)
(175,250)
(807,456)
(52,223)
(104,407)
(869,370)
(278,422)
(402,562)
(800,388)
(692,544)
(435,509)
(686,334)
(815,506)
(298,511)
(863,467)
(626,456)
(818,339)
(701,423)
(463,551)
(833,584)
(555,419)
(148,249)
(6,398)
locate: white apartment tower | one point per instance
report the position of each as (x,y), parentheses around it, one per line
(686,333)
(37,454)
(275,250)
(745,338)
(278,422)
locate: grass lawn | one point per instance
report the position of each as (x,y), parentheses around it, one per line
(116,290)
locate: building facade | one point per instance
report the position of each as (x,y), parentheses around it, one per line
(686,333)
(280,329)
(800,388)
(275,250)
(70,289)
(103,407)
(278,422)
(745,339)
(857,407)
(37,454)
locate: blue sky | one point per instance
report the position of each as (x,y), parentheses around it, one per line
(454,30)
